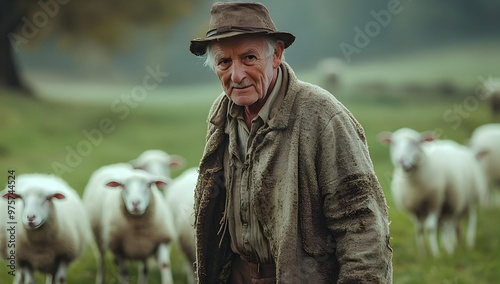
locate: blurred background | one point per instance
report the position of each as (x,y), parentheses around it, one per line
(67,66)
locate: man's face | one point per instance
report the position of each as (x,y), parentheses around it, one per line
(244,69)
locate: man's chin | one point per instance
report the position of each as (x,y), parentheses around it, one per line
(243,99)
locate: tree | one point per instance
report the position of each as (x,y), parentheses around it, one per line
(10,17)
(26,22)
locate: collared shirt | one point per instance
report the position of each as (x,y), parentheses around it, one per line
(245,136)
(247,238)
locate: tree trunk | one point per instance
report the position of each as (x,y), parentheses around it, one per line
(10,18)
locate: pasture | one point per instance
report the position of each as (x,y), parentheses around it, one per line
(75,130)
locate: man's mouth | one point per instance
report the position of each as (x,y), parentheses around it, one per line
(241,88)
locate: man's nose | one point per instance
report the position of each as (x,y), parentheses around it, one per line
(238,72)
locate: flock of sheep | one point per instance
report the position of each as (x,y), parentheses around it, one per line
(133,210)
(439,182)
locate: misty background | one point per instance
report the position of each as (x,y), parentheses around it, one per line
(320,27)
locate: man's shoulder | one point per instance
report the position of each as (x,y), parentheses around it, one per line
(219,100)
(317,105)
(311,96)
(218,110)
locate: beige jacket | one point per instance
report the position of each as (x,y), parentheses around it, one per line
(313,184)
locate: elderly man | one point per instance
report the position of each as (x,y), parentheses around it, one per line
(286,192)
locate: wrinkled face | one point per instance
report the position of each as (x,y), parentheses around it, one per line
(244,68)
(136,193)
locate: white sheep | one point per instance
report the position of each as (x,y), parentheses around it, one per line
(179,195)
(157,162)
(438,183)
(129,217)
(180,199)
(51,230)
(485,143)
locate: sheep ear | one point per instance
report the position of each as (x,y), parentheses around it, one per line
(114,184)
(176,161)
(385,137)
(135,164)
(57,195)
(162,184)
(427,136)
(481,154)
(10,196)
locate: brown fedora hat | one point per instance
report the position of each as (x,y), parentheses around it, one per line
(238,18)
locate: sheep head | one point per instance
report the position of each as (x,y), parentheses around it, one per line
(136,190)
(406,147)
(37,206)
(158,162)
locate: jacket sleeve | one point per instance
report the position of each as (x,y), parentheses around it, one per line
(354,203)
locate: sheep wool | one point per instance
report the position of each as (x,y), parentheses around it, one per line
(129,217)
(52,227)
(485,143)
(157,162)
(437,182)
(179,196)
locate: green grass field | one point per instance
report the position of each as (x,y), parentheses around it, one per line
(47,136)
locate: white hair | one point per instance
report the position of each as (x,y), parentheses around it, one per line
(271,46)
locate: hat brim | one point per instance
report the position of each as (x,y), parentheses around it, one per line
(198,46)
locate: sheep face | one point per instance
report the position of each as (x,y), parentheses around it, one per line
(136,193)
(406,147)
(406,153)
(37,207)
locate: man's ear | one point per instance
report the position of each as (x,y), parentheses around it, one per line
(278,53)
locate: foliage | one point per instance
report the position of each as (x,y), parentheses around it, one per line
(104,21)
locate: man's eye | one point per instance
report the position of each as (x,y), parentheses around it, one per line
(224,62)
